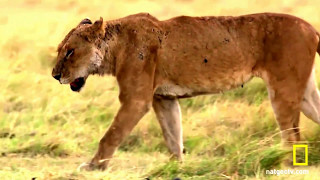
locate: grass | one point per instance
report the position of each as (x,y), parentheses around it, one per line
(46,130)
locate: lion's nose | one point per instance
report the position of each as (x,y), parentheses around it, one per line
(57,77)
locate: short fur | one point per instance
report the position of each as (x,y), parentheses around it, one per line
(156,62)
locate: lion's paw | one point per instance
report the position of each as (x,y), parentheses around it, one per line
(84,167)
(91,167)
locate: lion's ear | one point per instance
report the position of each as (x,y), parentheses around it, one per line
(85,21)
(99,26)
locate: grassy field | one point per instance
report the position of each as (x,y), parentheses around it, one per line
(46,130)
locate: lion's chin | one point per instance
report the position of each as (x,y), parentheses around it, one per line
(77,84)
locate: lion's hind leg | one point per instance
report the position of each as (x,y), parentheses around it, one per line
(169,116)
(310,105)
(286,96)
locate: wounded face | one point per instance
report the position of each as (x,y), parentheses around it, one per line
(80,54)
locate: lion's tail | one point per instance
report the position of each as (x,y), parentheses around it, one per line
(318,50)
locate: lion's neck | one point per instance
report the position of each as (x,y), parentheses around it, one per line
(108,65)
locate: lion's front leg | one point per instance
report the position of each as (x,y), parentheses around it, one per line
(135,79)
(128,116)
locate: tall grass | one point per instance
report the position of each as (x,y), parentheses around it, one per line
(46,130)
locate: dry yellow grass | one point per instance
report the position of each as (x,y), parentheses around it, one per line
(46,130)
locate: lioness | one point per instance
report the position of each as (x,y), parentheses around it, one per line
(158,62)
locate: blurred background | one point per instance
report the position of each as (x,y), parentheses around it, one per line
(46,130)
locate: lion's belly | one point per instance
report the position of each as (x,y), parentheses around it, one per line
(202,71)
(200,85)
(172,90)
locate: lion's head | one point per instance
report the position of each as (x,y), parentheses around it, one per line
(80,54)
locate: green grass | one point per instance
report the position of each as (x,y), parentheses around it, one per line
(47,131)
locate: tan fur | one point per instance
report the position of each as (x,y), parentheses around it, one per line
(156,62)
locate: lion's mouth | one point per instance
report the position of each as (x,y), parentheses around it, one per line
(77,84)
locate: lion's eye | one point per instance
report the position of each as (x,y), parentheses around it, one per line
(69,53)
